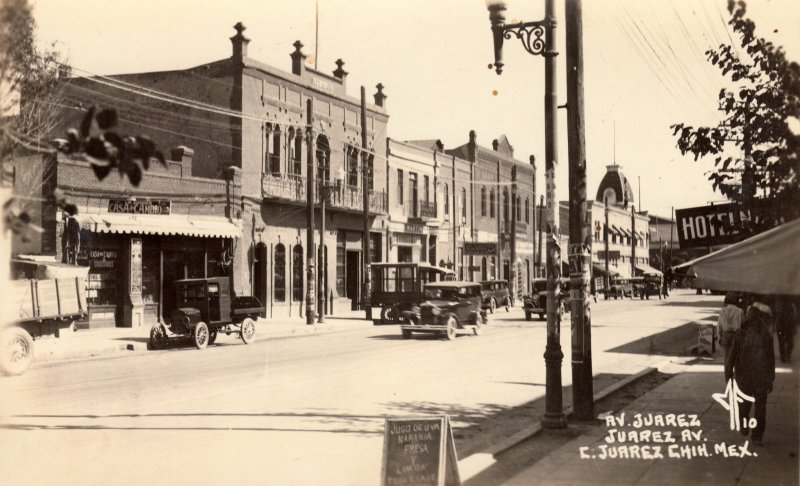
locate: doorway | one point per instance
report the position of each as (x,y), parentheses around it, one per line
(353,279)
(260,273)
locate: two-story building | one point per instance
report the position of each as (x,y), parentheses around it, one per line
(239,112)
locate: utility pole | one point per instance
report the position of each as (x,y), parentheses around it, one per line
(671,240)
(633,241)
(541,223)
(606,230)
(580,236)
(366,177)
(498,273)
(310,257)
(533,221)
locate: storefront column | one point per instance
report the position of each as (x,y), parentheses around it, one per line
(134,305)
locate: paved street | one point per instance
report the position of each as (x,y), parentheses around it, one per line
(295,411)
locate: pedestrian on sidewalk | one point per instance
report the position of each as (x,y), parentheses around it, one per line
(729,320)
(751,362)
(786,317)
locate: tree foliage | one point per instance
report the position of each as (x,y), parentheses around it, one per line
(762,97)
(31,81)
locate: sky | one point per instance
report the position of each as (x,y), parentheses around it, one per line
(645,68)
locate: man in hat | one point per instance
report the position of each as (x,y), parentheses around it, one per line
(751,361)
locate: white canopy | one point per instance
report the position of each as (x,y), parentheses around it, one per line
(768,263)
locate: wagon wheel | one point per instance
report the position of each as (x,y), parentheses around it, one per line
(450,333)
(16,351)
(158,336)
(200,335)
(248,330)
(212,335)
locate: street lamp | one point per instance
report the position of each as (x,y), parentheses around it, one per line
(326,189)
(530,33)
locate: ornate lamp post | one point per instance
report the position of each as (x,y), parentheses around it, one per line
(530,33)
(326,189)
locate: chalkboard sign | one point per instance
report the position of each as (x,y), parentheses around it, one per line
(419,452)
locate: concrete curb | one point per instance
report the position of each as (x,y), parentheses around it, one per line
(106,343)
(476,463)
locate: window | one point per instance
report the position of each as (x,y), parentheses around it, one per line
(527,211)
(400,187)
(519,208)
(505,205)
(273,153)
(484,269)
(491,203)
(427,188)
(280,273)
(323,154)
(483,201)
(352,167)
(463,205)
(295,140)
(446,200)
(297,273)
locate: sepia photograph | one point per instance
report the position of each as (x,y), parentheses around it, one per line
(399,243)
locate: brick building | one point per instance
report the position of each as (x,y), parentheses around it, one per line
(238,112)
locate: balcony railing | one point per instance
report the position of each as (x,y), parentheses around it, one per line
(292,188)
(427,209)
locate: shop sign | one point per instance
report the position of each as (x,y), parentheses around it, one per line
(159,206)
(136,265)
(102,258)
(718,224)
(612,255)
(477,248)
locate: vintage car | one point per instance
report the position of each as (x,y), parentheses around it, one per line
(495,294)
(397,288)
(449,308)
(536,303)
(43,299)
(620,288)
(204,308)
(651,285)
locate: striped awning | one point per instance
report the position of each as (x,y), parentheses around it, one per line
(152,224)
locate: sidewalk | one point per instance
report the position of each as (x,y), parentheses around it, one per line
(580,461)
(120,341)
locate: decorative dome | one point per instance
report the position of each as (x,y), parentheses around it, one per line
(615,186)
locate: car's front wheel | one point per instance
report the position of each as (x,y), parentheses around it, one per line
(452,325)
(200,335)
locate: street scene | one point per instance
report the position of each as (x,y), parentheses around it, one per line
(231,257)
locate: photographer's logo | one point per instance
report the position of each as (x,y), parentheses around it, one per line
(730,400)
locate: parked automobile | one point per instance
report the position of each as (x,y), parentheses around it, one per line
(397,288)
(651,285)
(449,308)
(496,294)
(204,308)
(536,303)
(620,288)
(49,298)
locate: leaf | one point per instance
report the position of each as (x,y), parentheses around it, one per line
(86,123)
(96,148)
(107,118)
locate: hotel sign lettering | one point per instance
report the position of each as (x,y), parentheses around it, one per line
(719,224)
(159,207)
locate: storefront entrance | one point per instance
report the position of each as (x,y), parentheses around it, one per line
(353,278)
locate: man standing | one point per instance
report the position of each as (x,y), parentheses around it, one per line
(729,320)
(751,361)
(785,321)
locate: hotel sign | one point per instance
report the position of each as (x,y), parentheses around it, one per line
(719,224)
(160,206)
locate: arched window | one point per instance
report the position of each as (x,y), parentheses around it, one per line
(446,200)
(527,210)
(483,201)
(323,153)
(463,205)
(280,273)
(297,273)
(491,203)
(273,144)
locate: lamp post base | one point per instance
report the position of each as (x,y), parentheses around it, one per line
(554,417)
